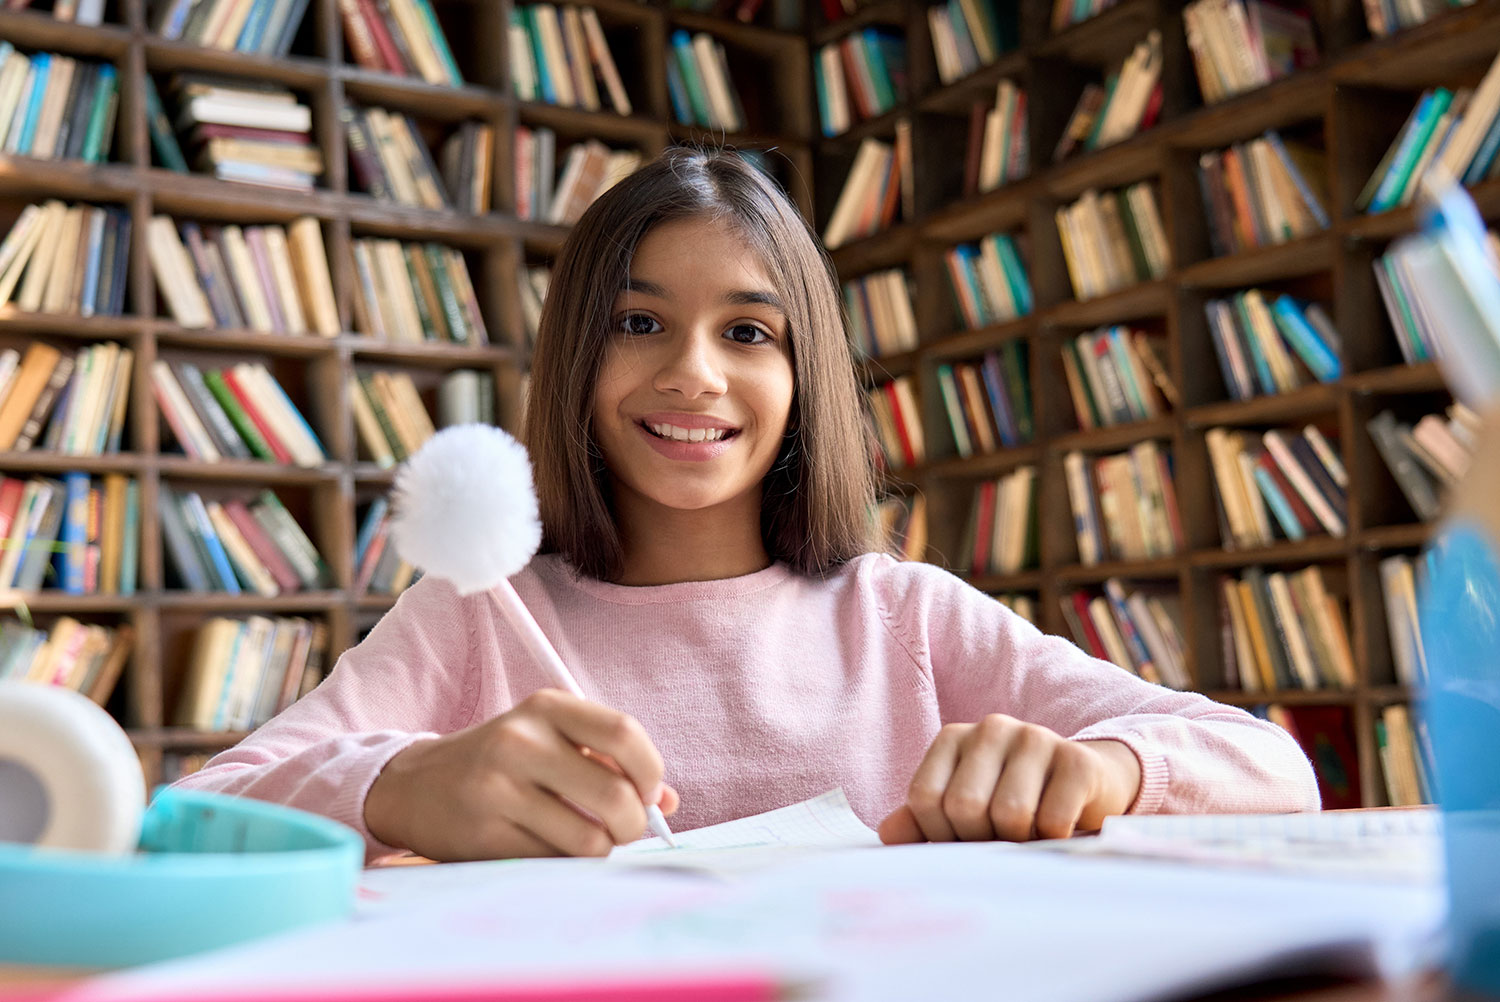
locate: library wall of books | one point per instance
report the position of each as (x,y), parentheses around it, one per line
(1139,362)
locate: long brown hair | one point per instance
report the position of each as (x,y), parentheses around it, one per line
(817,508)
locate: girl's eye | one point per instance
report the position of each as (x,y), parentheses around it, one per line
(638,323)
(748,334)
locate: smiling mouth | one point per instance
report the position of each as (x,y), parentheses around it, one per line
(702,441)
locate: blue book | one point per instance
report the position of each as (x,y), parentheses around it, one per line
(368,527)
(1000,402)
(539,56)
(1277,502)
(196,515)
(41,65)
(279,42)
(254,28)
(231,661)
(94,236)
(1120,352)
(75,532)
(179,543)
(1429,110)
(1485,156)
(682,110)
(1304,340)
(1015,270)
(1247,334)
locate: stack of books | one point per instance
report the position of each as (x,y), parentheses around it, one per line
(237,412)
(234,547)
(1114,240)
(999,146)
(242,672)
(989,280)
(560,55)
(66,402)
(258,27)
(1405,756)
(1282,484)
(1001,534)
(389,415)
(589,170)
(1129,101)
(700,85)
(968,34)
(1284,631)
(1115,377)
(264,278)
(74,534)
(61,258)
(1456,132)
(1238,45)
(903,525)
(1124,505)
(378,567)
(897,424)
(988,401)
(1386,17)
(861,76)
(881,320)
(392,162)
(413,293)
(401,37)
(256,133)
(1400,582)
(1137,629)
(1070,12)
(1270,343)
(531,290)
(56,107)
(1263,192)
(1427,456)
(88,659)
(873,191)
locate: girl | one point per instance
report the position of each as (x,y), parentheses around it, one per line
(707,573)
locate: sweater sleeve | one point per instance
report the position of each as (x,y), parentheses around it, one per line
(1196,755)
(410,678)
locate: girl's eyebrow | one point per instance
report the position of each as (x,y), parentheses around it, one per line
(740,297)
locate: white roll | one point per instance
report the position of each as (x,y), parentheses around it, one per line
(69,776)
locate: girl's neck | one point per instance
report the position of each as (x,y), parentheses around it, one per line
(669,545)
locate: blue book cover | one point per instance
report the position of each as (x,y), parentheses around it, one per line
(41,65)
(1485,156)
(1120,353)
(682,110)
(1429,110)
(196,514)
(1000,403)
(539,56)
(1015,270)
(231,662)
(1257,357)
(75,532)
(255,26)
(1278,504)
(1304,340)
(368,527)
(95,238)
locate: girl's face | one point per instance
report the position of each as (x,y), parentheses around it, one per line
(696,384)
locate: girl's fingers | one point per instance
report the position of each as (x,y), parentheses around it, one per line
(608,732)
(930,782)
(900,827)
(1069,789)
(595,788)
(971,789)
(1013,805)
(549,827)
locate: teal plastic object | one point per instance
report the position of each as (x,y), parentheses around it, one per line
(212,870)
(1461,628)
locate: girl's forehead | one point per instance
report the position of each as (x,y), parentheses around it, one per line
(683,254)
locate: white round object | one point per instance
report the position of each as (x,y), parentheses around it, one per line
(69,776)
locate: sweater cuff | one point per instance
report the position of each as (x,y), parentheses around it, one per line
(349,804)
(1154,776)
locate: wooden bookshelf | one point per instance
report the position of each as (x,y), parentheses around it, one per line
(314,369)
(1357,97)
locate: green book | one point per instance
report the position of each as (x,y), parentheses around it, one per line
(453,310)
(692,77)
(163,139)
(424,315)
(382,417)
(1070,349)
(214,379)
(1109,95)
(1018,383)
(105,94)
(439,41)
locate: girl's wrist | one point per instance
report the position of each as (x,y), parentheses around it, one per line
(385,801)
(1124,771)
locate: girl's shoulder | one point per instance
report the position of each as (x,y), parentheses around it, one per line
(900,584)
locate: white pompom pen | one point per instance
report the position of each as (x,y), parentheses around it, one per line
(464,509)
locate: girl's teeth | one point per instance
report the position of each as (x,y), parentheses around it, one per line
(688,434)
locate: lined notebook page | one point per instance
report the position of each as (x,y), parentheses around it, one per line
(825,821)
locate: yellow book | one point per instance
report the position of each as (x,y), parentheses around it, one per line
(282,273)
(368,426)
(112,533)
(30,379)
(310,267)
(239,551)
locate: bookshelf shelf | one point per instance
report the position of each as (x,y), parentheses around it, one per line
(1395,537)
(1263,264)
(1308,401)
(1290,697)
(1303,551)
(1146,299)
(1159,568)
(1418,377)
(1113,439)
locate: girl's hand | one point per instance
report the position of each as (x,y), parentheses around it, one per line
(554,776)
(1006,779)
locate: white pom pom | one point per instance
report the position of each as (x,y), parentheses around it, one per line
(465,507)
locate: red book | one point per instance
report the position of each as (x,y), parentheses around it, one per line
(1324,733)
(1090,632)
(11,491)
(984,523)
(256,418)
(262,546)
(380,33)
(1153,108)
(908,453)
(372,556)
(214,130)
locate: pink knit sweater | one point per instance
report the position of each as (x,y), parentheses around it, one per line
(759,691)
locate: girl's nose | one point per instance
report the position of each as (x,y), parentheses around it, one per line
(691,366)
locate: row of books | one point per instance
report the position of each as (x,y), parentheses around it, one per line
(1413,307)
(258,27)
(415,292)
(1386,17)
(1128,101)
(1426,457)
(988,401)
(989,280)
(1284,631)
(1115,377)
(968,34)
(242,672)
(391,161)
(897,424)
(1070,12)
(1280,484)
(391,421)
(56,107)
(1272,345)
(265,278)
(1401,579)
(401,37)
(881,320)
(589,170)
(559,54)
(1000,536)
(237,412)
(1137,629)
(379,568)
(879,185)
(1405,753)
(860,76)
(86,12)
(999,145)
(67,259)
(1454,132)
(64,401)
(237,548)
(74,533)
(1262,192)
(1124,505)
(699,84)
(87,658)
(903,525)
(531,289)
(1238,45)
(255,133)
(1113,240)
